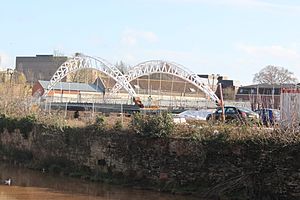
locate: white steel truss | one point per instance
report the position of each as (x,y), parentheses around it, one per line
(159,66)
(81,61)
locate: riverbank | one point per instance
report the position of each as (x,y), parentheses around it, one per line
(212,163)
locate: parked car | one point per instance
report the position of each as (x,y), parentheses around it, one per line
(195,114)
(177,119)
(234,113)
(268,116)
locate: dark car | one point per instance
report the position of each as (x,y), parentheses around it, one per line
(268,116)
(234,113)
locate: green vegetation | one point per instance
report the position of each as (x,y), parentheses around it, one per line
(100,124)
(160,125)
(118,126)
(153,125)
(236,133)
(24,124)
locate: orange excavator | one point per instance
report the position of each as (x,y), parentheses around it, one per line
(137,101)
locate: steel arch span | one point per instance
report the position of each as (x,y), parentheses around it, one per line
(159,66)
(81,61)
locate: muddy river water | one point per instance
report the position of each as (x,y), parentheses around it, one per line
(34,185)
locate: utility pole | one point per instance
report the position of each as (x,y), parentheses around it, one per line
(122,120)
(222,102)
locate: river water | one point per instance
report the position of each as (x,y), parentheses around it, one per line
(34,185)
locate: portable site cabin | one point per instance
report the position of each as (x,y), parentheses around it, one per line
(290,107)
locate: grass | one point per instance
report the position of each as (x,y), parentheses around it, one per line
(237,133)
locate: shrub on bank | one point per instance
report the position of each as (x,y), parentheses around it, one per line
(100,124)
(161,125)
(7,123)
(25,124)
(230,133)
(118,126)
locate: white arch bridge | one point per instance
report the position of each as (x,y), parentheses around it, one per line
(81,61)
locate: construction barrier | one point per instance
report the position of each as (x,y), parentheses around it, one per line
(290,107)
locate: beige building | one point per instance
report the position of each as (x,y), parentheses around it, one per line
(70,92)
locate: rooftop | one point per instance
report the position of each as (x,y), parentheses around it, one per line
(264,85)
(84,87)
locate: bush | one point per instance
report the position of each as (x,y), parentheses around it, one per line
(7,123)
(25,125)
(100,123)
(2,122)
(118,126)
(153,125)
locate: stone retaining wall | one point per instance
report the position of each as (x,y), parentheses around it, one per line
(212,168)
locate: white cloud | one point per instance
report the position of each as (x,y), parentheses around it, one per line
(131,37)
(276,51)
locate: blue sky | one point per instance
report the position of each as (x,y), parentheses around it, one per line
(236,38)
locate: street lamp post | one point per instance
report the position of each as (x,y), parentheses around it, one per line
(10,72)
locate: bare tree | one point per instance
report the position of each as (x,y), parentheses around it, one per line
(274,75)
(122,67)
(83,76)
